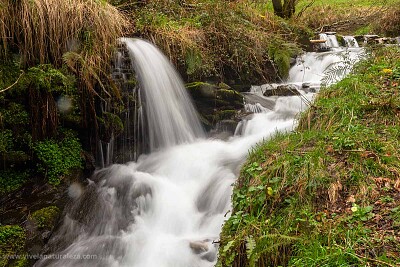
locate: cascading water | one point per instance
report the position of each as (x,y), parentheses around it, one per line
(167,104)
(350,41)
(331,40)
(167,208)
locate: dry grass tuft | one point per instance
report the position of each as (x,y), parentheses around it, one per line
(43,31)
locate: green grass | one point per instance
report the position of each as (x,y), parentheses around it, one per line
(319,196)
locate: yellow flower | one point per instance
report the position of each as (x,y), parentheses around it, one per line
(387,71)
(270,191)
(354,208)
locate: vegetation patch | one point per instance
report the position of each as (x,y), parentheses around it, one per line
(348,17)
(12,243)
(58,158)
(230,41)
(328,193)
(45,218)
(11,180)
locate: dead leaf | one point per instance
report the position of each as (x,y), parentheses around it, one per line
(397,185)
(333,191)
(351,199)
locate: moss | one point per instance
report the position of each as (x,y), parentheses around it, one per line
(225,114)
(326,194)
(340,40)
(228,95)
(12,243)
(45,218)
(110,125)
(281,52)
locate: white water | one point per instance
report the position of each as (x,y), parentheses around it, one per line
(331,40)
(166,209)
(167,104)
(350,41)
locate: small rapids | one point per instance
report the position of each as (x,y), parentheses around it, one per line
(167,208)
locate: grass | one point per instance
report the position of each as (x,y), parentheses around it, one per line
(328,193)
(224,40)
(350,17)
(79,33)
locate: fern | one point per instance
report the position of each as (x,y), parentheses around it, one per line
(337,70)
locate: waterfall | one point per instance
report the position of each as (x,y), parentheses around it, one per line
(166,208)
(170,116)
(331,40)
(350,41)
(312,67)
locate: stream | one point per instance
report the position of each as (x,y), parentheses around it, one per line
(167,208)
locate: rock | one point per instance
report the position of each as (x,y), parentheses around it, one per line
(253,99)
(293,61)
(198,247)
(283,90)
(228,126)
(201,89)
(210,256)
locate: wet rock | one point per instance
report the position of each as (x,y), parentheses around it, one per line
(254,99)
(215,102)
(210,256)
(282,90)
(198,247)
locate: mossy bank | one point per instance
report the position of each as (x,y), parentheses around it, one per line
(327,194)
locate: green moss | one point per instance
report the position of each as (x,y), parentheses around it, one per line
(12,243)
(58,158)
(319,196)
(280,53)
(225,114)
(45,218)
(228,95)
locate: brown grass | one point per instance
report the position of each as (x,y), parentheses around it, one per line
(44,30)
(227,40)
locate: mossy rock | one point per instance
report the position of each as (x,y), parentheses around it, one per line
(225,114)
(12,242)
(46,218)
(110,125)
(229,95)
(201,89)
(340,40)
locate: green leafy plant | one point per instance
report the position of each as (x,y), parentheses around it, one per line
(12,242)
(58,158)
(11,180)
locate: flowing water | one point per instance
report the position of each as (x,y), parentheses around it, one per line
(167,208)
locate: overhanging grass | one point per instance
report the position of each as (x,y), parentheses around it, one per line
(327,194)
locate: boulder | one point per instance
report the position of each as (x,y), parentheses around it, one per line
(283,90)
(198,247)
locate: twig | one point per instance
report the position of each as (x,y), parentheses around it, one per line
(9,87)
(305,8)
